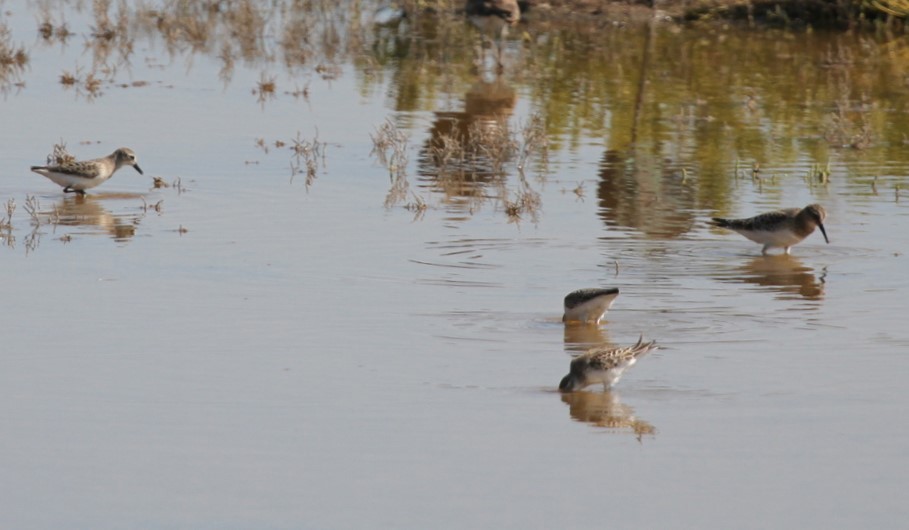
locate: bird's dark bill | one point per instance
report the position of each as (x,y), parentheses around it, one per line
(821,226)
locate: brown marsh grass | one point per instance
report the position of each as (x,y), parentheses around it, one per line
(6,223)
(307,156)
(13,60)
(59,155)
(265,89)
(475,163)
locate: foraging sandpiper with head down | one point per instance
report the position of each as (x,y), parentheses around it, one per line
(79,176)
(588,305)
(779,229)
(603,365)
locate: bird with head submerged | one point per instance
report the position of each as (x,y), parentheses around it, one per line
(603,365)
(780,228)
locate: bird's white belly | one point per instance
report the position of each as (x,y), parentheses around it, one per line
(72,181)
(773,238)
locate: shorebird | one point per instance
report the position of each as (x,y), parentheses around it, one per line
(492,18)
(80,176)
(588,305)
(781,229)
(603,365)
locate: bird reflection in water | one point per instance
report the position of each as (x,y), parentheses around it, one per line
(642,193)
(493,18)
(604,409)
(785,274)
(467,149)
(89,212)
(582,337)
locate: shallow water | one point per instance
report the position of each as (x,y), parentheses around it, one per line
(246,349)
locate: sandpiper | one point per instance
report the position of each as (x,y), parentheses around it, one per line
(493,17)
(588,305)
(603,365)
(781,229)
(80,176)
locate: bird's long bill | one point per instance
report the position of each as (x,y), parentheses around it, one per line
(141,173)
(821,226)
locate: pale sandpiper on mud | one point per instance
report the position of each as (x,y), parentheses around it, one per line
(603,365)
(779,229)
(80,176)
(588,305)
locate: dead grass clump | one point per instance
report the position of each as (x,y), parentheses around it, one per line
(7,222)
(13,59)
(266,89)
(390,148)
(298,92)
(46,30)
(33,208)
(418,206)
(492,141)
(307,157)
(63,33)
(68,79)
(92,85)
(60,155)
(397,192)
(448,152)
(49,32)
(526,202)
(534,141)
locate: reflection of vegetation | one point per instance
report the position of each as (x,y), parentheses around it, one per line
(672,127)
(390,148)
(296,34)
(80,213)
(675,106)
(13,59)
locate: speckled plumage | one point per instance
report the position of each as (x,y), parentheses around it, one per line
(588,305)
(778,229)
(80,176)
(602,365)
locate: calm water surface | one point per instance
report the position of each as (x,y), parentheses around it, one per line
(378,346)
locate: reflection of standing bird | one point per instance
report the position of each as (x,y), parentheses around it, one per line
(782,228)
(80,176)
(603,365)
(588,305)
(492,18)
